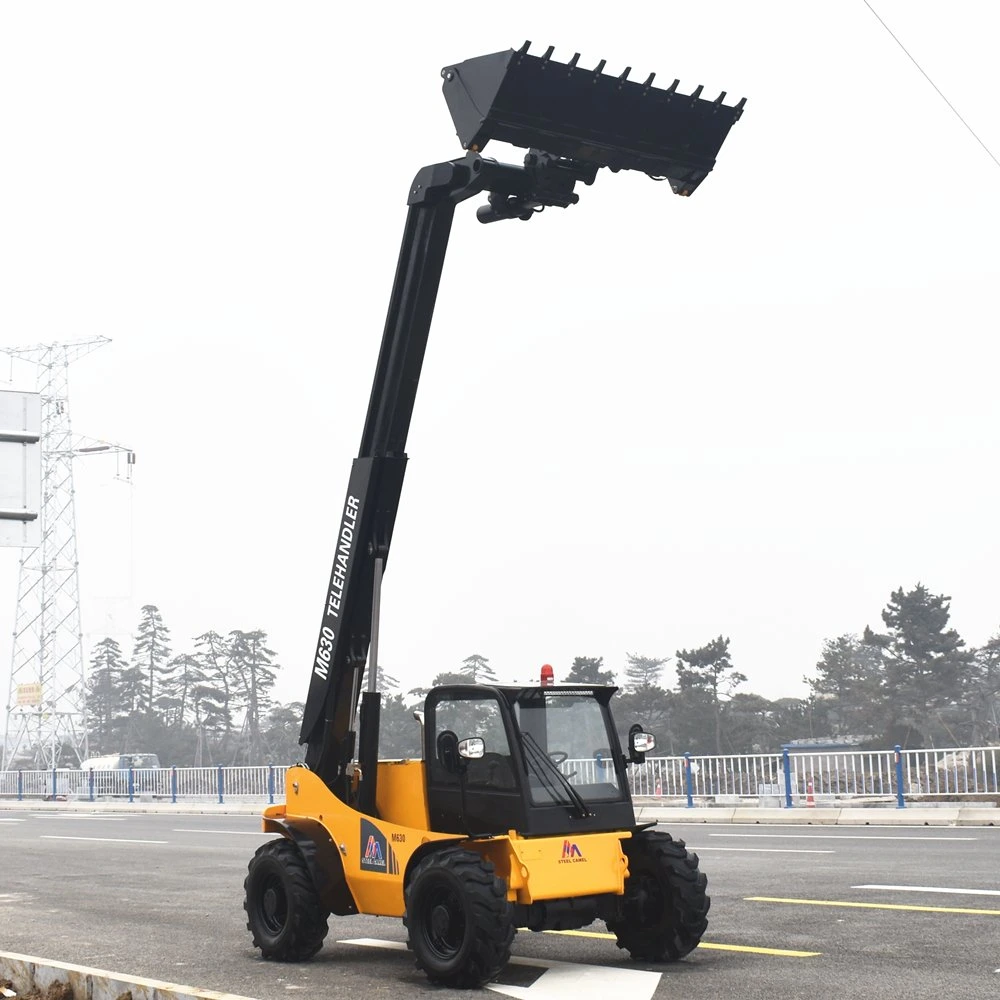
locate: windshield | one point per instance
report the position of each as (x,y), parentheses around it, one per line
(570,727)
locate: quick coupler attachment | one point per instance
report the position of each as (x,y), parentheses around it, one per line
(586,115)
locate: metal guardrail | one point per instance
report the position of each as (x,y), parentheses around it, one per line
(162,784)
(792,778)
(799,777)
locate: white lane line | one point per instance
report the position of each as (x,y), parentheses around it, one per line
(103,840)
(690,824)
(4,820)
(231,833)
(761,850)
(931,888)
(829,836)
(561,980)
(78,815)
(90,816)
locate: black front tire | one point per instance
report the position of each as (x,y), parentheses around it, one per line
(460,924)
(284,914)
(665,909)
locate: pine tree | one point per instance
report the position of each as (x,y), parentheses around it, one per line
(216,698)
(254,664)
(642,673)
(476,669)
(708,673)
(925,664)
(588,670)
(151,654)
(983,694)
(104,695)
(185,674)
(848,690)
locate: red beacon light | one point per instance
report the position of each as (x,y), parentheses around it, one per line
(548,678)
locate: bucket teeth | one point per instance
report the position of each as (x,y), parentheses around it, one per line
(536,101)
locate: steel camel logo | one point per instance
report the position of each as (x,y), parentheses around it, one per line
(376,854)
(373,851)
(571,853)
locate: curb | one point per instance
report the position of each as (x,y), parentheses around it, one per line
(27,973)
(910,816)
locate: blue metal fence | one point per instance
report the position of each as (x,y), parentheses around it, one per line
(795,777)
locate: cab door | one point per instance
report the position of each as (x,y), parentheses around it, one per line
(484,796)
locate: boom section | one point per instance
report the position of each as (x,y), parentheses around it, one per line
(365,521)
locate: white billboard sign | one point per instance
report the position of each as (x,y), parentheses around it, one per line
(20,468)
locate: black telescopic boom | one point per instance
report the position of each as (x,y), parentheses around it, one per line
(573,122)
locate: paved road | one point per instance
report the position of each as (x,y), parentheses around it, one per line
(160,896)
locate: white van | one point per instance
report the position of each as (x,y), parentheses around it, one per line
(111,773)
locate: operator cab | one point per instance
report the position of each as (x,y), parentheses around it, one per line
(539,760)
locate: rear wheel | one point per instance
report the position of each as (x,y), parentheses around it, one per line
(460,923)
(664,912)
(284,914)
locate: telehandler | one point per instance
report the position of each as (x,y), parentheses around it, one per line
(519,813)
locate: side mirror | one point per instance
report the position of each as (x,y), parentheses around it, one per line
(472,748)
(640,743)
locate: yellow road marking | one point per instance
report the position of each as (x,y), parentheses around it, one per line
(785,952)
(715,947)
(874,906)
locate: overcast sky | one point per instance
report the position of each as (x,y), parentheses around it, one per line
(643,422)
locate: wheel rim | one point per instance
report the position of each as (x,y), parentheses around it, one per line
(647,901)
(272,905)
(443,927)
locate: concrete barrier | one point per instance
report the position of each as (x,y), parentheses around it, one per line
(977,816)
(27,973)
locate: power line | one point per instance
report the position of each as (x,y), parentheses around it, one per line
(933,84)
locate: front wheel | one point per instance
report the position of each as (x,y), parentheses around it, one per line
(664,912)
(284,913)
(460,924)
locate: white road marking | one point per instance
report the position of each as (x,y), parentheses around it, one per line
(79,815)
(104,840)
(932,888)
(761,850)
(830,836)
(561,980)
(232,833)
(5,820)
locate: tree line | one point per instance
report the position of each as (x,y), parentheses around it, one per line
(211,704)
(911,681)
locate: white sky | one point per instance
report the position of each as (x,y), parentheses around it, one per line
(642,422)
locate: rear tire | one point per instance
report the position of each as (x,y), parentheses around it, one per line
(460,924)
(284,915)
(664,913)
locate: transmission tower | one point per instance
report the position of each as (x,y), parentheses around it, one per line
(48,647)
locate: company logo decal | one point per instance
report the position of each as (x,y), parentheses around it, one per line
(376,854)
(571,853)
